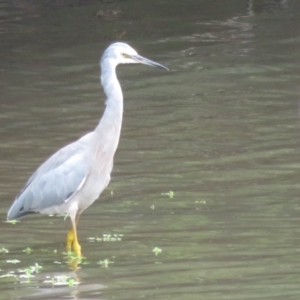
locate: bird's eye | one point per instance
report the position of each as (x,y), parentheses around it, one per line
(124,55)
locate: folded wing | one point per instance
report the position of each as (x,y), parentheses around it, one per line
(54,182)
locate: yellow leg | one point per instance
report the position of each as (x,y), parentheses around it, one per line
(72,240)
(76,246)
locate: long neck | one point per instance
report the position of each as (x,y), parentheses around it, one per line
(111,120)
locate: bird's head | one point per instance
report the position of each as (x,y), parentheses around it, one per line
(121,53)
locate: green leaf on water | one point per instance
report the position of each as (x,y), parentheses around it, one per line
(156,251)
(171,194)
(12,222)
(28,250)
(12,261)
(105,263)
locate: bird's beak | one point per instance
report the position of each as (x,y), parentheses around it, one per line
(146,61)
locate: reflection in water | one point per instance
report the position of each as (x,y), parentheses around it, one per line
(75,293)
(53,285)
(221,130)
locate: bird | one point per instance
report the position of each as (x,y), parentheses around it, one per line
(70,180)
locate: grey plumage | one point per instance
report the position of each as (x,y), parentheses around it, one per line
(73,178)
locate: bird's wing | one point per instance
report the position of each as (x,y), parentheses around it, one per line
(54,182)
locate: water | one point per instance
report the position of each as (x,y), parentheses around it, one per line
(220,130)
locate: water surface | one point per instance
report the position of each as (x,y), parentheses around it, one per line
(220,131)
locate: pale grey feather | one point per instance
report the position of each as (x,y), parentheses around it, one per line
(54,181)
(74,177)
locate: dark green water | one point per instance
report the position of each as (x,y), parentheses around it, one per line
(220,130)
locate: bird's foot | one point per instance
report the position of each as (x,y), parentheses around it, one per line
(72,244)
(77,248)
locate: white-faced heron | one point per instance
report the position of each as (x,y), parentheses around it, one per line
(74,177)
